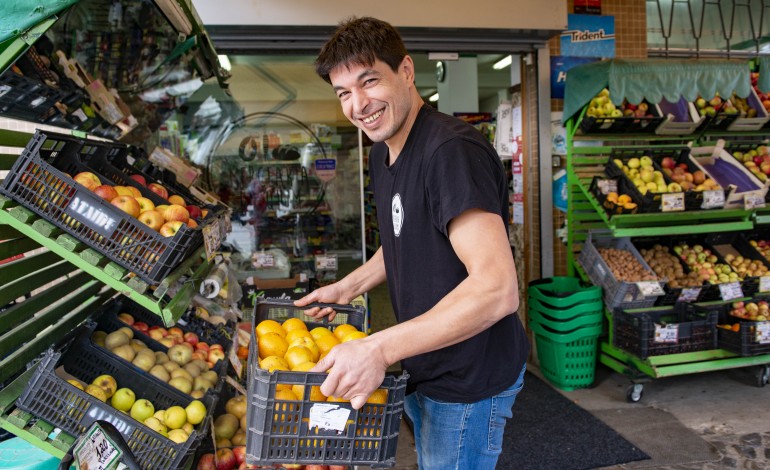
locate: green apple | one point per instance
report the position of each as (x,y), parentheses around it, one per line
(142,409)
(175,417)
(155,424)
(123,399)
(196,412)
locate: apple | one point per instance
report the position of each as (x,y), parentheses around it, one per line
(169,229)
(216,346)
(123,399)
(240,454)
(107,383)
(175,417)
(225,459)
(152,219)
(191,223)
(142,409)
(158,189)
(140,326)
(167,341)
(175,330)
(87,179)
(123,191)
(215,355)
(176,199)
(161,208)
(127,204)
(196,412)
(191,338)
(156,425)
(195,211)
(139,179)
(206,462)
(175,212)
(106,192)
(202,345)
(316,467)
(180,354)
(157,332)
(126,318)
(145,204)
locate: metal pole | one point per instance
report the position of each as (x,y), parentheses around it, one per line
(545,161)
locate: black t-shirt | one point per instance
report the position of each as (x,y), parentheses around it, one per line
(445,168)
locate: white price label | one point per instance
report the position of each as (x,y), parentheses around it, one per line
(327,416)
(713,198)
(689,294)
(753,201)
(672,202)
(762,333)
(212,238)
(607,186)
(96,451)
(602,272)
(264,260)
(731,290)
(764,284)
(650,288)
(326,263)
(666,333)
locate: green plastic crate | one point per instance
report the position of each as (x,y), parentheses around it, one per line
(567,360)
(559,325)
(595,307)
(563,292)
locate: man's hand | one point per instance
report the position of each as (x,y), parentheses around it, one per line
(356,369)
(331,294)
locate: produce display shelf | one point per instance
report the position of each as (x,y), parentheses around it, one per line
(99,267)
(762,216)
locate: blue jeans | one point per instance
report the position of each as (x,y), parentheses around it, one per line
(460,436)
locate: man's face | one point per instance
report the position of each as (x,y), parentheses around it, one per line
(375,99)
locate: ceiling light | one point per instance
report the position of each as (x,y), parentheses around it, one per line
(503,63)
(224,62)
(433,98)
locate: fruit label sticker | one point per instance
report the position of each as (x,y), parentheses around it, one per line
(762,333)
(212,238)
(607,186)
(731,290)
(650,288)
(89,212)
(235,360)
(713,198)
(689,294)
(672,202)
(666,333)
(753,200)
(326,263)
(97,451)
(764,284)
(328,416)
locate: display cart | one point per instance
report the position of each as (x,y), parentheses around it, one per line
(588,149)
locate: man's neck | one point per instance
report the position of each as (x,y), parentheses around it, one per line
(397,143)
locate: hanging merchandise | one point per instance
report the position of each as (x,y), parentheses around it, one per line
(560,190)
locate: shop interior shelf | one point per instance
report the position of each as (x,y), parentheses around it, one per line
(99,267)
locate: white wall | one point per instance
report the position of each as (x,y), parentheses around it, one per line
(505,14)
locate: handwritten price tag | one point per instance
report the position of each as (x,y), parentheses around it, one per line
(672,202)
(689,294)
(666,333)
(713,199)
(730,290)
(96,451)
(264,260)
(327,416)
(607,186)
(326,263)
(235,360)
(764,284)
(212,238)
(762,333)
(753,201)
(650,288)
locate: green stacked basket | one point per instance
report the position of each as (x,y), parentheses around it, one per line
(566,318)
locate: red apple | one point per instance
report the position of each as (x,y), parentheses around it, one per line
(139,179)
(169,229)
(88,179)
(159,190)
(195,211)
(106,192)
(191,338)
(240,454)
(152,219)
(225,459)
(316,467)
(175,212)
(668,162)
(202,345)
(145,203)
(216,346)
(126,318)
(215,355)
(175,330)
(127,204)
(200,354)
(206,462)
(157,333)
(191,223)
(141,326)
(338,467)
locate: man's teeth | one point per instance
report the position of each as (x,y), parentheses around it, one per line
(373,117)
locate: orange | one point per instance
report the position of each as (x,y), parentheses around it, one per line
(315,390)
(271,363)
(379,396)
(297,355)
(294,334)
(326,343)
(320,331)
(272,344)
(269,326)
(342,330)
(353,336)
(308,343)
(294,324)
(284,395)
(736,327)
(338,400)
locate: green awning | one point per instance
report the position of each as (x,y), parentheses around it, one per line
(17,16)
(653,80)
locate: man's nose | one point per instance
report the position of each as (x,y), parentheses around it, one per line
(360,101)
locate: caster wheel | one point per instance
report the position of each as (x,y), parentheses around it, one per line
(762,375)
(634,393)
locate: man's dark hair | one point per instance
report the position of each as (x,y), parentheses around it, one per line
(361,41)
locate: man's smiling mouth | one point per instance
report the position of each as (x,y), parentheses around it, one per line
(373,117)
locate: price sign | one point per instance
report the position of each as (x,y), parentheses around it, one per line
(235,360)
(713,198)
(650,288)
(689,294)
(326,263)
(764,284)
(96,451)
(672,202)
(607,186)
(328,416)
(263,260)
(236,385)
(762,333)
(753,201)
(731,290)
(666,333)
(212,238)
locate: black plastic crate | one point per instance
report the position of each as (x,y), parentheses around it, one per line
(622,124)
(697,200)
(38,181)
(282,431)
(28,98)
(53,399)
(751,339)
(643,334)
(650,201)
(749,284)
(612,208)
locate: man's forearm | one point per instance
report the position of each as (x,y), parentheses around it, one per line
(365,277)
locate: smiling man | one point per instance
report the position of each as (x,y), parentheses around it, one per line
(445,256)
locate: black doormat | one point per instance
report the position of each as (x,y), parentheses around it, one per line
(548,431)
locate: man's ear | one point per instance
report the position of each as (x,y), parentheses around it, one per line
(407,68)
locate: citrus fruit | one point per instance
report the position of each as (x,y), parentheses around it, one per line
(297,355)
(353,336)
(326,343)
(320,331)
(308,343)
(272,363)
(282,408)
(294,334)
(379,396)
(343,330)
(337,400)
(294,324)
(269,326)
(315,390)
(272,344)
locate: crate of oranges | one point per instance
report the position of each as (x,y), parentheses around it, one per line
(289,420)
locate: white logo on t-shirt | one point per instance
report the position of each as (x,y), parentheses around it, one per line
(397,212)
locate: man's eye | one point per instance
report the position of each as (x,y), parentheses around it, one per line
(370,81)
(342,94)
